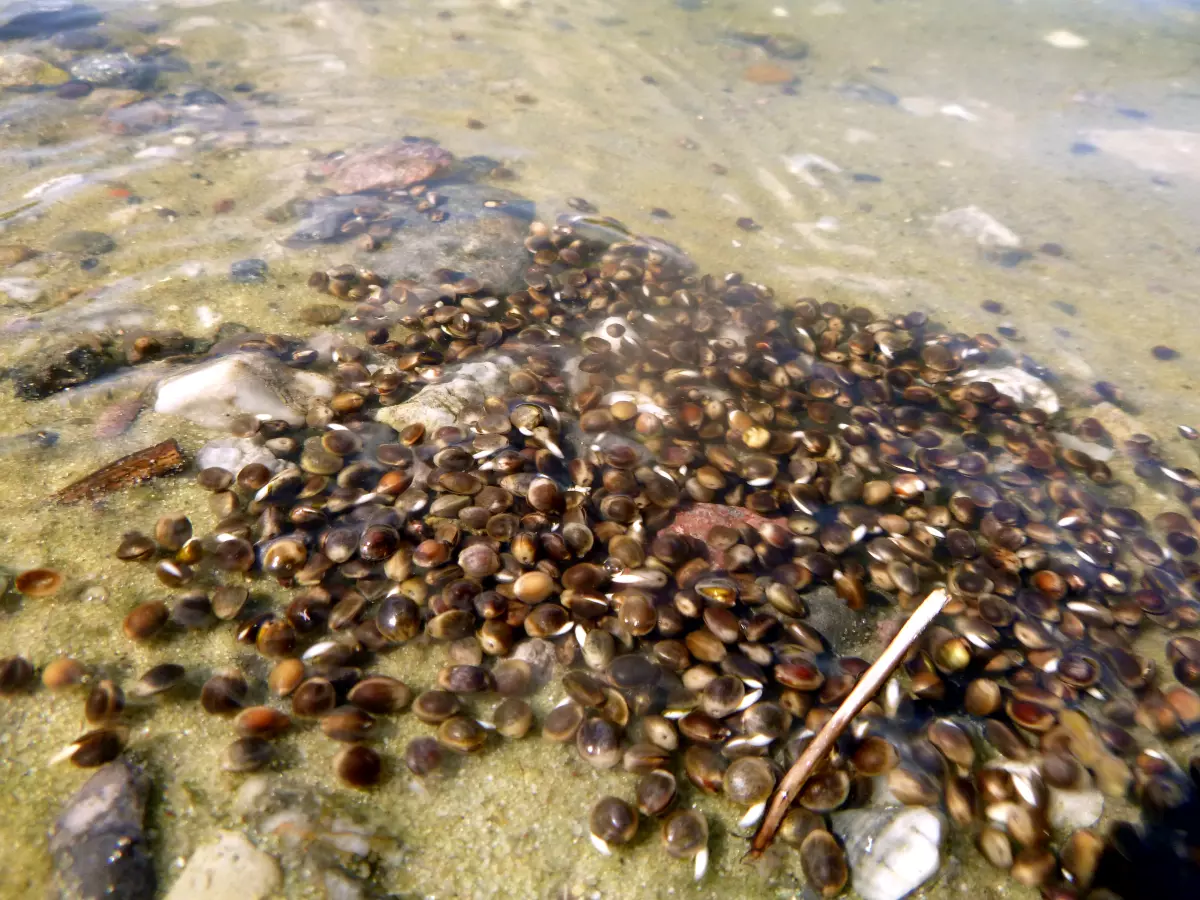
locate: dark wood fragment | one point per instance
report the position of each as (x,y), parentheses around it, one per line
(153,462)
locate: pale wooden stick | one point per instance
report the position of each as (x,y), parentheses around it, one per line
(866,688)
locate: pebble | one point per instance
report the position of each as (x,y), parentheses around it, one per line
(540,654)
(1065,40)
(232,454)
(698,519)
(388,167)
(97,843)
(768,73)
(1070,810)
(459,398)
(974,224)
(115,70)
(1025,389)
(321,314)
(23,70)
(79,40)
(74,90)
(25,291)
(213,393)
(248,271)
(84,243)
(891,851)
(483,232)
(44,20)
(1163,151)
(11,254)
(229,868)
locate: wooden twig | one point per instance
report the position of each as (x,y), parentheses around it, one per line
(153,462)
(870,683)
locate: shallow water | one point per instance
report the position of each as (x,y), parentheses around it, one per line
(847,163)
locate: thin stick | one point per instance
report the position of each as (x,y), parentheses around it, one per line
(866,688)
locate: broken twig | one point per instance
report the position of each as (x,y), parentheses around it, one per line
(161,459)
(866,688)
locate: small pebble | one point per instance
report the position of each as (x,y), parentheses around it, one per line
(748,224)
(475,124)
(1052,249)
(248,271)
(659,213)
(73,90)
(768,73)
(84,243)
(581,205)
(1082,148)
(1010,259)
(993,306)
(1163,352)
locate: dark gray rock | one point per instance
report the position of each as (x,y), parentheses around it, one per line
(115,70)
(98,844)
(248,271)
(80,40)
(485,241)
(79,359)
(202,97)
(868,93)
(829,614)
(42,19)
(85,243)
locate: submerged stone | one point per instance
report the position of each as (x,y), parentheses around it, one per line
(233,454)
(213,393)
(248,271)
(24,70)
(892,851)
(71,363)
(49,19)
(115,70)
(98,845)
(478,229)
(457,399)
(229,868)
(83,358)
(391,166)
(87,243)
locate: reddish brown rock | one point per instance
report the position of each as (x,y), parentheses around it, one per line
(389,167)
(697,520)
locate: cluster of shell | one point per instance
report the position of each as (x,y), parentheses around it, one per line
(832,446)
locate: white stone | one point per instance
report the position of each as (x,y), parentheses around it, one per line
(1095,451)
(973,223)
(891,852)
(25,291)
(1025,389)
(540,655)
(1160,150)
(213,393)
(233,454)
(1065,40)
(229,868)
(457,399)
(1071,810)
(802,165)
